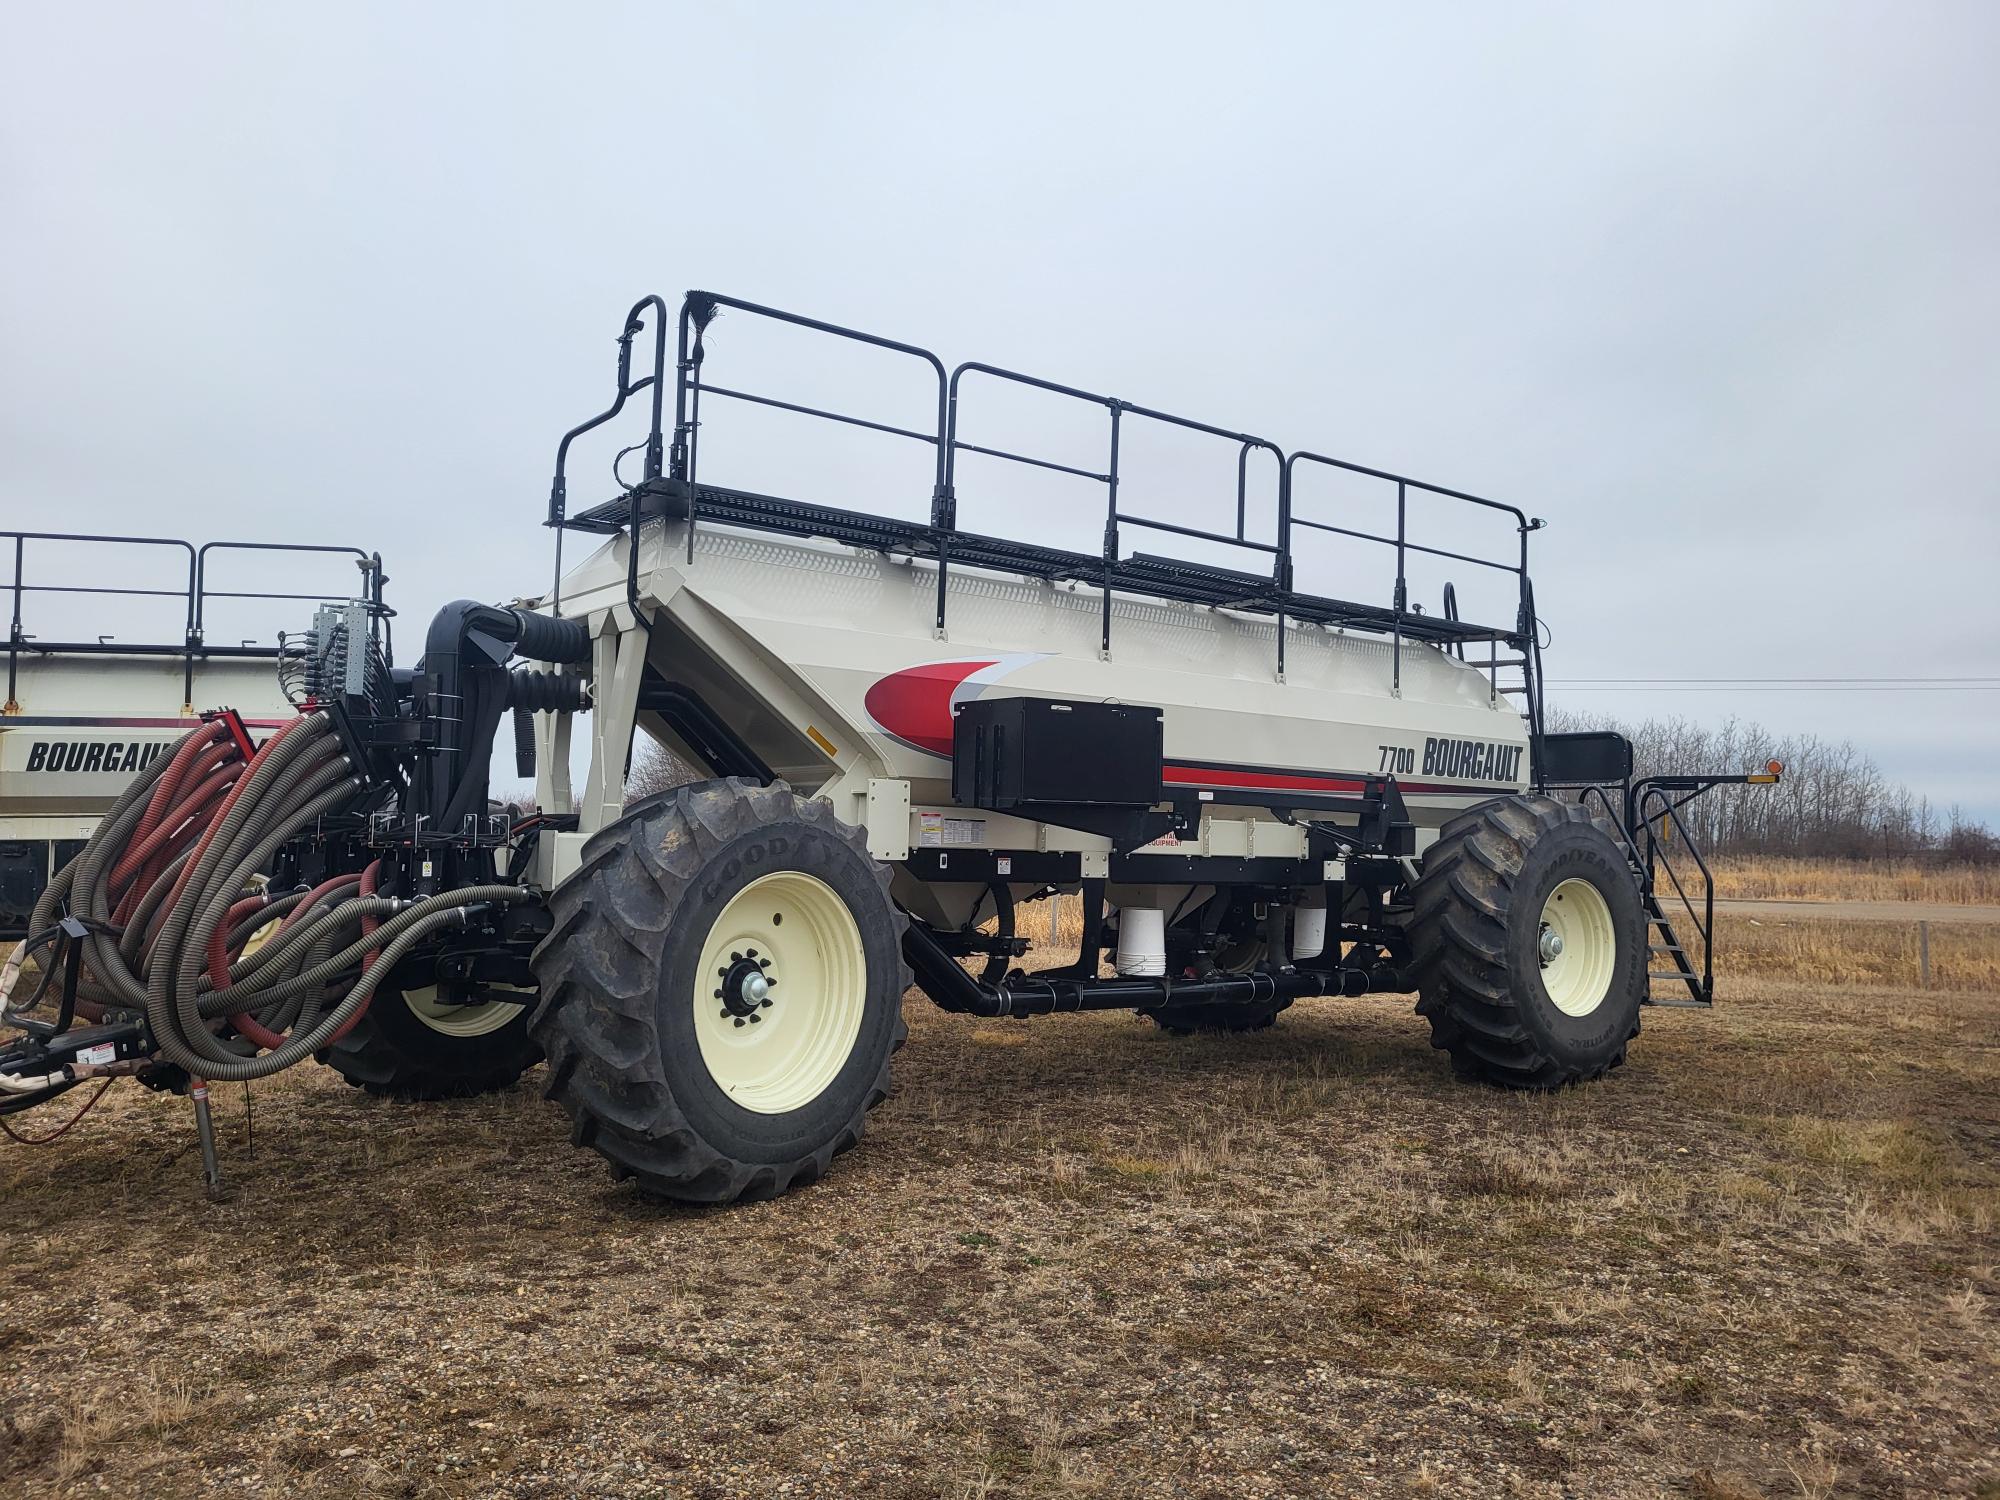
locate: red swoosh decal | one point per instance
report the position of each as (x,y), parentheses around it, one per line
(1306,781)
(914,704)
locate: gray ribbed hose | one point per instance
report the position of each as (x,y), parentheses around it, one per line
(311,979)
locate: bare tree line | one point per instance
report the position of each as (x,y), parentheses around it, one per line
(1834,802)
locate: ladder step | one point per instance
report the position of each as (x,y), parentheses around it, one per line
(1666,948)
(1680,1004)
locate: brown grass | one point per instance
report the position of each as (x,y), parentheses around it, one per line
(1075,1257)
(1774,879)
(1808,949)
(1963,957)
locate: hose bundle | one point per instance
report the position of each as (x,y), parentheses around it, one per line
(234,981)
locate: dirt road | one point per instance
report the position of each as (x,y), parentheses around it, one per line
(1860,911)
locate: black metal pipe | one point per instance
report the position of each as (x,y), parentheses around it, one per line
(1110,530)
(1196,532)
(634,325)
(1304,456)
(703,730)
(1022,458)
(947,983)
(1409,546)
(463,686)
(814,411)
(14,631)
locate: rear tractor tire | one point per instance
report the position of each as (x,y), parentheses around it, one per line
(722,991)
(413,1044)
(1529,944)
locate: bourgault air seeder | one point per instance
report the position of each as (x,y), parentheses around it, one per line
(906,730)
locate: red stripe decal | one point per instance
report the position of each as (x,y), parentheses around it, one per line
(106,721)
(1262,781)
(1300,781)
(914,704)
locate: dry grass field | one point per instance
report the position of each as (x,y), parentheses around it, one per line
(1075,1257)
(1765,879)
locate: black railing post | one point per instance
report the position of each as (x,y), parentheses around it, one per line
(197,616)
(1402,595)
(1707,923)
(1282,565)
(697,311)
(1110,528)
(655,438)
(944,495)
(677,455)
(1531,653)
(1242,485)
(13,705)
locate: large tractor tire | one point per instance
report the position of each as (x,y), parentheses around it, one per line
(412,1044)
(722,990)
(1529,944)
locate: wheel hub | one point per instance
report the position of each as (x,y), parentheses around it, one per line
(466,1010)
(770,1057)
(1578,947)
(745,991)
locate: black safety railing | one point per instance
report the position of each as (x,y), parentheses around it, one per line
(670,483)
(1676,890)
(1114,516)
(1654,819)
(1405,547)
(194,595)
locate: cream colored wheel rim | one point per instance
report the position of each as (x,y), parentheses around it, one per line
(780,993)
(464,1020)
(1578,947)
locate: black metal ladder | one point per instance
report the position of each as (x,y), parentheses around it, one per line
(1661,939)
(1641,825)
(1654,819)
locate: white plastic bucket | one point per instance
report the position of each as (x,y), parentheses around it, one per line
(1309,926)
(1142,940)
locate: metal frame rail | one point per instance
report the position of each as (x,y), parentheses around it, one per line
(193,644)
(670,485)
(1647,816)
(1659,815)
(1652,817)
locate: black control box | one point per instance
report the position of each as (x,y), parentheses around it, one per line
(1046,752)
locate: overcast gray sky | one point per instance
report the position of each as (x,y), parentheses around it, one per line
(1714,288)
